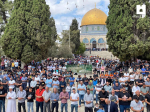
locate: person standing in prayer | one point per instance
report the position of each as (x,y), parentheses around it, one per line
(11,103)
(135,88)
(24,81)
(88,98)
(33,84)
(62,84)
(11,83)
(64,96)
(71,80)
(30,99)
(82,91)
(3,93)
(54,98)
(46,96)
(18,84)
(136,105)
(74,98)
(39,98)
(21,95)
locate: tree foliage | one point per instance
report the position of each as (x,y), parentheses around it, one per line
(28,35)
(53,51)
(60,51)
(81,49)
(53,31)
(128,35)
(75,34)
(64,52)
(65,39)
(6,7)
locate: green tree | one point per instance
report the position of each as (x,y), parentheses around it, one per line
(128,35)
(6,7)
(58,38)
(53,51)
(28,35)
(81,49)
(65,39)
(64,52)
(53,31)
(75,34)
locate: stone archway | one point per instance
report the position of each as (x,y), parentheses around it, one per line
(94,44)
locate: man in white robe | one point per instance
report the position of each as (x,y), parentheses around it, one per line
(11,97)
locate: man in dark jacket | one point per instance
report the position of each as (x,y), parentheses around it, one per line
(30,97)
(103,95)
(62,84)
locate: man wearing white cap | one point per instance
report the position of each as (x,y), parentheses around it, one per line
(11,97)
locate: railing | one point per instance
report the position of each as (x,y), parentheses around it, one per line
(97,49)
(80,68)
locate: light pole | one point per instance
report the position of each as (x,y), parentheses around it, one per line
(69,37)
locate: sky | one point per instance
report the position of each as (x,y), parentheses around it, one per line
(63,11)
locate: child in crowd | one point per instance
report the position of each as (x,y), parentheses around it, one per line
(68,89)
(73,86)
(127,110)
(144,77)
(96,108)
(100,109)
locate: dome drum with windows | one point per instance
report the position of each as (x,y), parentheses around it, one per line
(93,29)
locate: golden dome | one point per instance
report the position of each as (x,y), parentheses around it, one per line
(94,16)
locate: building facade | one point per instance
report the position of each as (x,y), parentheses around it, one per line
(93,30)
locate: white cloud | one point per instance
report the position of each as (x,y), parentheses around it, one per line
(67,6)
(63,23)
(67,11)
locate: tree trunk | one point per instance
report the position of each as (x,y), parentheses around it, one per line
(4,17)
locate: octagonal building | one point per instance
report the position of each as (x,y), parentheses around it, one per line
(93,30)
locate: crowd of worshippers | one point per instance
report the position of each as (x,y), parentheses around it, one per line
(111,94)
(48,87)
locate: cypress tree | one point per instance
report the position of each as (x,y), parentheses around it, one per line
(75,34)
(27,35)
(128,35)
(53,30)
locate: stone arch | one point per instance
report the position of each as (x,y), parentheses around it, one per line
(101,40)
(85,40)
(93,39)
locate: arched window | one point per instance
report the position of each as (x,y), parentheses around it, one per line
(93,39)
(101,40)
(85,40)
